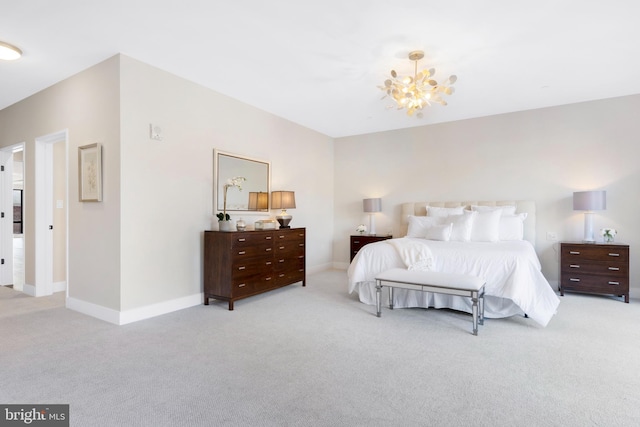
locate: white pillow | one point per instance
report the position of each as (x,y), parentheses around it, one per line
(462,226)
(486,226)
(506,210)
(512,227)
(418,225)
(439,232)
(444,212)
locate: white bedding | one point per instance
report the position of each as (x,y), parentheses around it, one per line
(515,284)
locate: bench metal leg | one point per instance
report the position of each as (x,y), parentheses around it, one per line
(474,309)
(391,297)
(378,302)
(482,309)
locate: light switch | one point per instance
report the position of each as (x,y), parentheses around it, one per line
(59,204)
(155,132)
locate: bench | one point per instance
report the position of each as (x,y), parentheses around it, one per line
(434,281)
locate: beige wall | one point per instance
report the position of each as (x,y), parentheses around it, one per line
(87,105)
(167,191)
(142,245)
(543,155)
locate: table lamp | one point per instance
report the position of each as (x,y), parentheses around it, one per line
(589,201)
(371,206)
(283,200)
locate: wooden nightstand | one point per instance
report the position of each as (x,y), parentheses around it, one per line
(360,240)
(601,268)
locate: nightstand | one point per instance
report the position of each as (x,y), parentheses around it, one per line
(600,268)
(360,240)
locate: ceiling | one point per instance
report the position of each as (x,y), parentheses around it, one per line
(319,64)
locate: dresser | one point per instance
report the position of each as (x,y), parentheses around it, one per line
(357,242)
(595,268)
(239,264)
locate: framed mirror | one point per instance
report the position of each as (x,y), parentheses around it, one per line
(254,196)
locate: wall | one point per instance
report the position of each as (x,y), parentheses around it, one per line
(167,191)
(543,155)
(87,105)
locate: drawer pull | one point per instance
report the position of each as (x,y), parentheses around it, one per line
(280,260)
(614,283)
(268,263)
(301,234)
(242,239)
(356,241)
(614,268)
(574,266)
(574,252)
(281,275)
(281,236)
(241,252)
(242,267)
(614,254)
(574,280)
(281,247)
(267,278)
(300,256)
(268,249)
(268,237)
(242,285)
(301,244)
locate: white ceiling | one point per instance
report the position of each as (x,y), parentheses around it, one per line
(319,63)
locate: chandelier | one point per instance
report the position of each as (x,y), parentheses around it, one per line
(413,93)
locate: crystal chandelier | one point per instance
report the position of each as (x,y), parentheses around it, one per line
(413,93)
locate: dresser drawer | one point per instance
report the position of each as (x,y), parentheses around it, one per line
(597,284)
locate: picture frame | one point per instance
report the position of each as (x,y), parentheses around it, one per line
(90,172)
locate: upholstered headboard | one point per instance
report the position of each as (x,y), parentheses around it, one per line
(420,209)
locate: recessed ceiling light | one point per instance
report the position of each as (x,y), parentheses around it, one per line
(9,52)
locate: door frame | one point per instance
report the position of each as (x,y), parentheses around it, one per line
(43,234)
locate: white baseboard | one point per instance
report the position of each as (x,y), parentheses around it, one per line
(160,308)
(59,286)
(319,268)
(94,310)
(123,317)
(341,265)
(29,289)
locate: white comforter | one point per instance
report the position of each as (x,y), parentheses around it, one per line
(515,284)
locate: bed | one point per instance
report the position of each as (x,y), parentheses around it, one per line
(493,240)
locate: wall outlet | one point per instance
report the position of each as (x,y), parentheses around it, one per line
(552,236)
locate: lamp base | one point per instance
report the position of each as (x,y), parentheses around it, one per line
(284,220)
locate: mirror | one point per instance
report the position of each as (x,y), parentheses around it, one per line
(254,196)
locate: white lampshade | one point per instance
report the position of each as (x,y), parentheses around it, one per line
(589,201)
(371,206)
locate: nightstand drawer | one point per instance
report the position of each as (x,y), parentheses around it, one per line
(612,269)
(357,242)
(594,252)
(598,284)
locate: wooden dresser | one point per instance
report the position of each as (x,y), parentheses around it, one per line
(239,264)
(595,268)
(357,242)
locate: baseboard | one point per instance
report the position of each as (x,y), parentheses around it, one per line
(59,286)
(319,268)
(160,308)
(341,265)
(134,315)
(29,290)
(94,310)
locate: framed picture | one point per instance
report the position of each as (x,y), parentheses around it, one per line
(90,172)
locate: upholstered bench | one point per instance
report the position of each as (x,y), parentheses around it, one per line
(434,281)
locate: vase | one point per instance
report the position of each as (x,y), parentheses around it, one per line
(609,238)
(241,225)
(225,225)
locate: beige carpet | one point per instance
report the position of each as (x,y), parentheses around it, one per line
(315,356)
